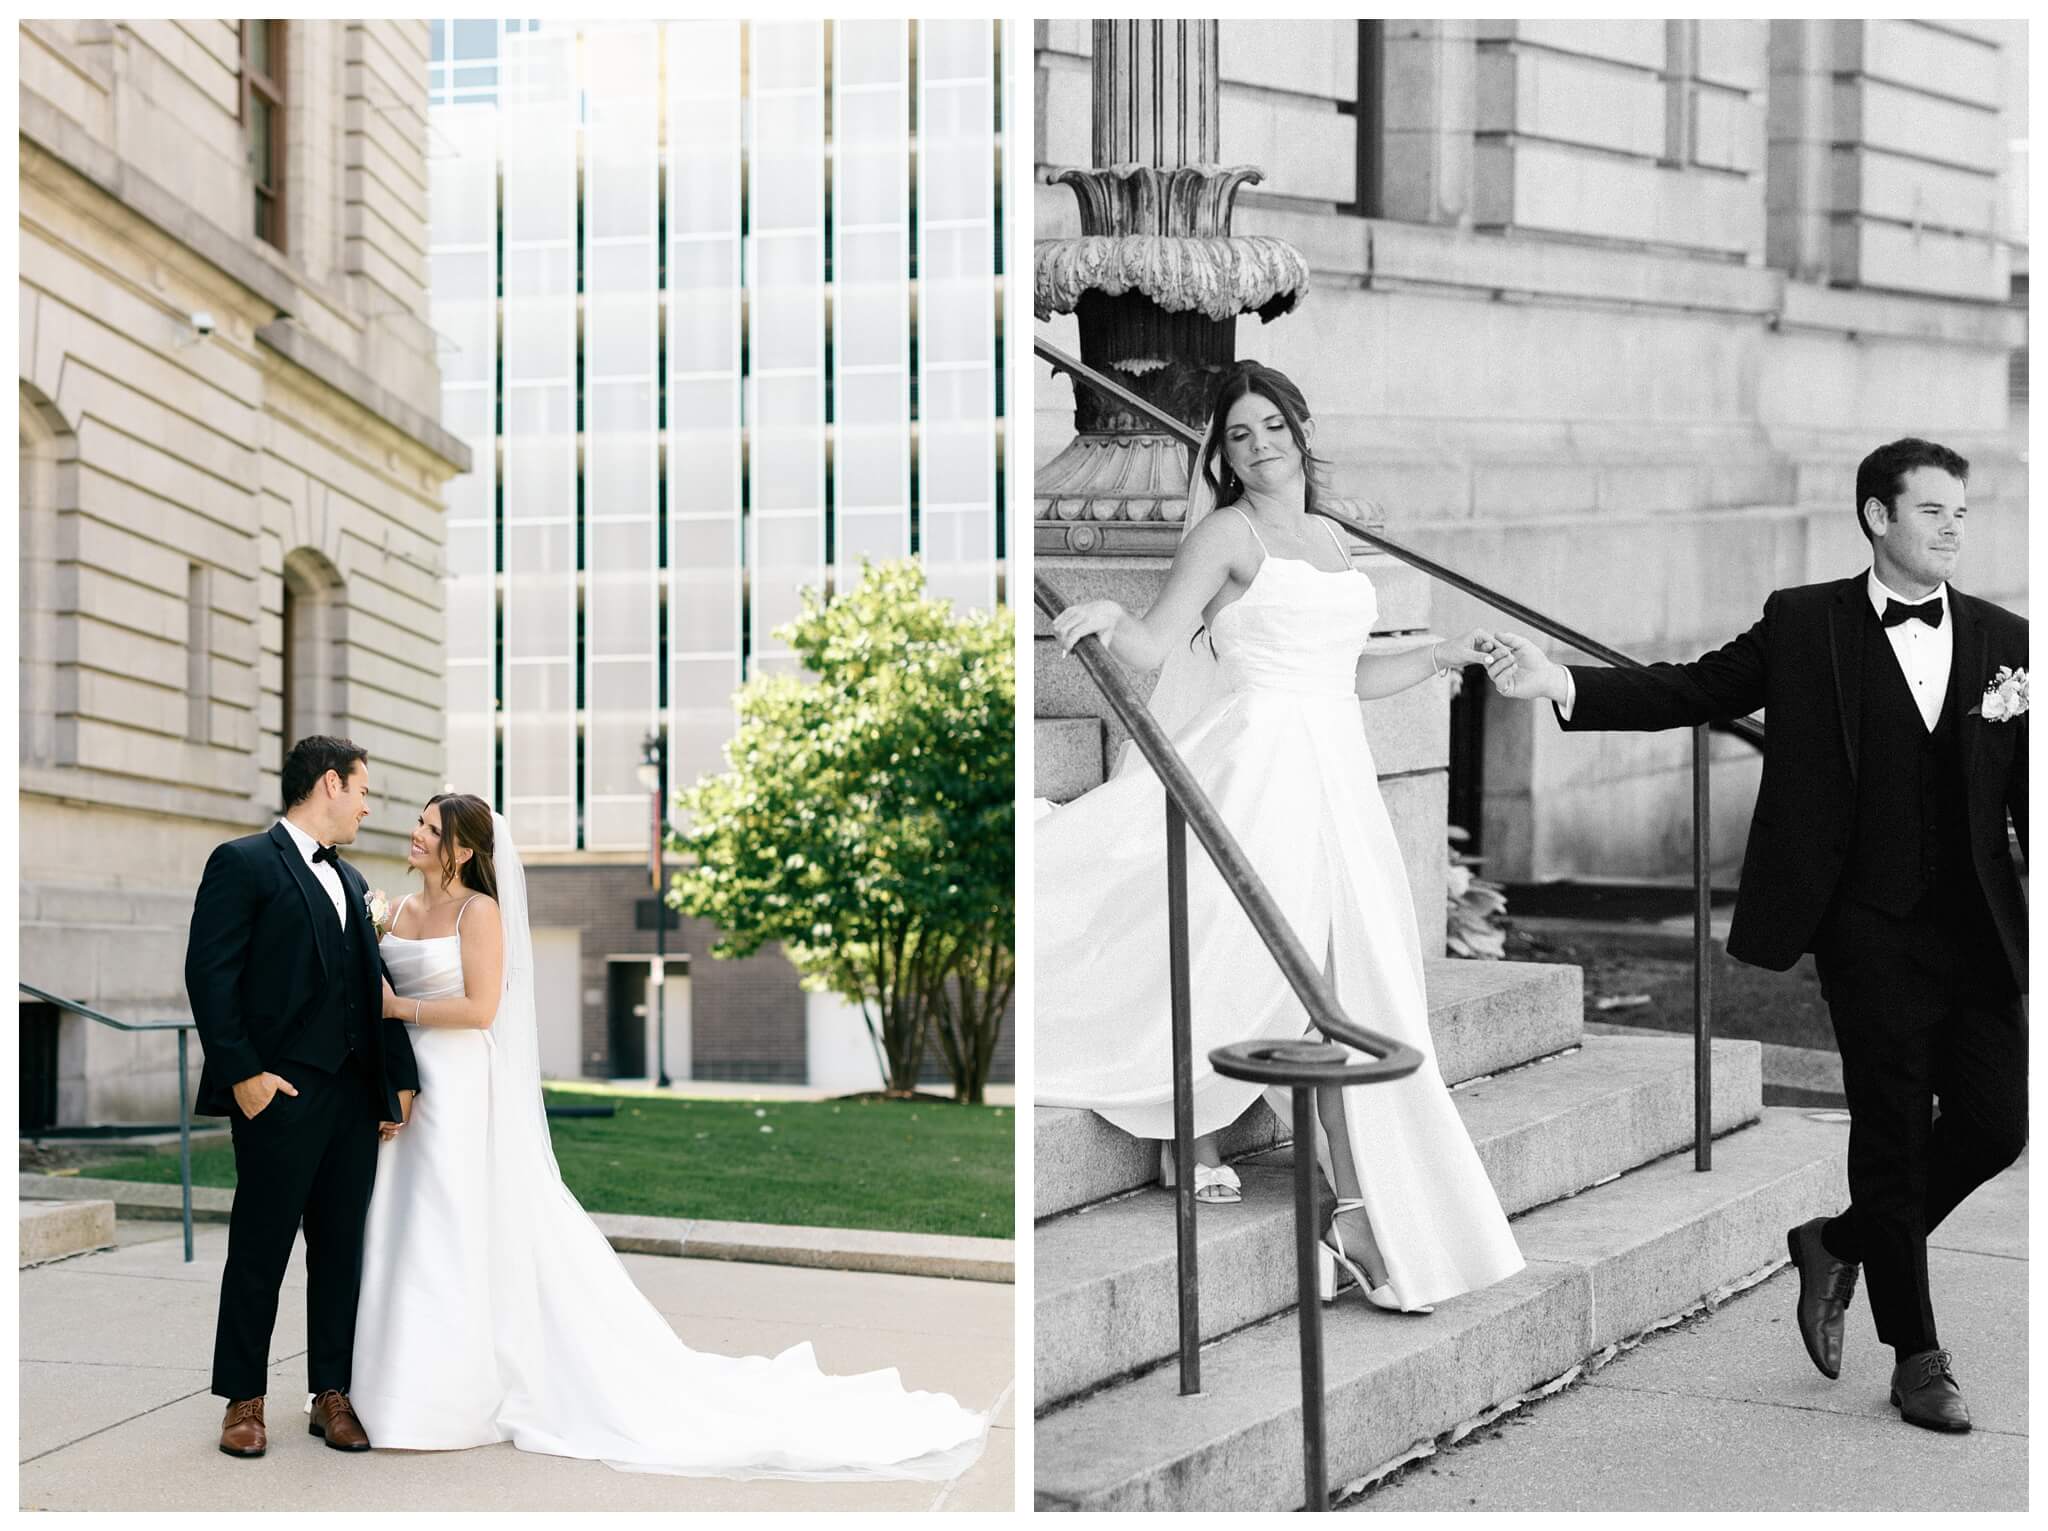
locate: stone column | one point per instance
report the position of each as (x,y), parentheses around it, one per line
(1156,281)
(1798,190)
(1428,107)
(1156,94)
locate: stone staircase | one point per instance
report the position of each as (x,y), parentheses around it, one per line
(1587,1139)
(1587,1142)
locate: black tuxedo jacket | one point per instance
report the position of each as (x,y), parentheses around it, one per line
(1801,663)
(257,971)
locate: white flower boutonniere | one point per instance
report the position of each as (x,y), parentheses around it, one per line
(2005,698)
(379,908)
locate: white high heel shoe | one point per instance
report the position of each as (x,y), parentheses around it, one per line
(1330,1254)
(1214,1183)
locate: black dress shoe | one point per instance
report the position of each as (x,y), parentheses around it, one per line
(1924,1392)
(1825,1287)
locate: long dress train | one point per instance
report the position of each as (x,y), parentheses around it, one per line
(1284,757)
(493,1309)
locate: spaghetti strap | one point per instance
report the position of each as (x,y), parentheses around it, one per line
(397,912)
(1331,527)
(1261,541)
(464,910)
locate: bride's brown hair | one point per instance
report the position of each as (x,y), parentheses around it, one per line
(1278,388)
(466,823)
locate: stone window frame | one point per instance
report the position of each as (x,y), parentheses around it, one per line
(268,196)
(313,647)
(47,485)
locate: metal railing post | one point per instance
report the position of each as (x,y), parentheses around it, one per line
(1315,1475)
(1702,957)
(1183,1099)
(184,1097)
(185,1142)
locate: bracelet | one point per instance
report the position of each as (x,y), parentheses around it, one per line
(415,1012)
(1436,665)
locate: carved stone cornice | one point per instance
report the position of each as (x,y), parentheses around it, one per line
(1165,234)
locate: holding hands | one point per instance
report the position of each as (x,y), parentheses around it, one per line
(1519,669)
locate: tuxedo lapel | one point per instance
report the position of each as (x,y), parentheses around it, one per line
(317,903)
(364,938)
(1845,652)
(1969,671)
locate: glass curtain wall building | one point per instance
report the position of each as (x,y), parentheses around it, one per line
(719,307)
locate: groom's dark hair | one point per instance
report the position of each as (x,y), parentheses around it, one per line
(1882,474)
(312,758)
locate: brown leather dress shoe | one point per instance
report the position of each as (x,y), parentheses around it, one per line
(1825,1287)
(1924,1392)
(242,1433)
(334,1421)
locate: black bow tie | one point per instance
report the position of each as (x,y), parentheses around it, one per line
(1896,612)
(326,853)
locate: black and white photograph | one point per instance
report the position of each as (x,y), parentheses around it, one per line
(517,781)
(1529,744)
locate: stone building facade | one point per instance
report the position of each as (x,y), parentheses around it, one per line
(1605,314)
(232,471)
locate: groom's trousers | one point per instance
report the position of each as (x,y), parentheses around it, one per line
(1925,1009)
(308,1159)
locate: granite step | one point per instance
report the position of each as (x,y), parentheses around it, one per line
(53,1230)
(1483,1017)
(1104,1279)
(1066,757)
(1603,1267)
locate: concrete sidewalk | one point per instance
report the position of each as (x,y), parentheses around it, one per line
(952,1256)
(1726,1412)
(115,1412)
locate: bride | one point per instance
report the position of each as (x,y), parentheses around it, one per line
(492,1308)
(1261,626)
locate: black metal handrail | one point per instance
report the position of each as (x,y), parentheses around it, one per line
(184,1095)
(1748,729)
(1303,1066)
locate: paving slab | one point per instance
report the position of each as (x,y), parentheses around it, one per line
(1734,1457)
(852,1249)
(113,1373)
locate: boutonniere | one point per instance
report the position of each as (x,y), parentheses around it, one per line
(379,909)
(2005,698)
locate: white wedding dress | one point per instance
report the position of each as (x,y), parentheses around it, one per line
(1281,751)
(493,1309)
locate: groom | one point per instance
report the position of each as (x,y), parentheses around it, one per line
(1879,844)
(287,992)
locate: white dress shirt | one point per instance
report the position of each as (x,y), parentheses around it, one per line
(1924,652)
(323,870)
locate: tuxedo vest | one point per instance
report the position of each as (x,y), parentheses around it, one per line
(1912,832)
(338,1028)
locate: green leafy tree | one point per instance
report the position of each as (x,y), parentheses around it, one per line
(868,820)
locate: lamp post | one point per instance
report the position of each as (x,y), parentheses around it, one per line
(650,778)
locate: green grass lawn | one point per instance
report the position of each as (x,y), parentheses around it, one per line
(923,1166)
